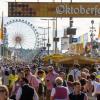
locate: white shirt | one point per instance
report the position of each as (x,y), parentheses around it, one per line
(98,72)
(75,73)
(96,87)
(19,93)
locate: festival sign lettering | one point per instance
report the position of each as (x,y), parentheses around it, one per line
(53,9)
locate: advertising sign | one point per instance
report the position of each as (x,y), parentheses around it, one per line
(53,9)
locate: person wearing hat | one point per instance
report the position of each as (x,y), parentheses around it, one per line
(50,80)
(33,81)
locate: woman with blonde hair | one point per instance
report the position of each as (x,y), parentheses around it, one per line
(59,92)
(4,93)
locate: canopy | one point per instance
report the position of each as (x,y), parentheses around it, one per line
(78,59)
(54,57)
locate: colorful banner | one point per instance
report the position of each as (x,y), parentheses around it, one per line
(1,31)
(85,39)
(1,37)
(82,39)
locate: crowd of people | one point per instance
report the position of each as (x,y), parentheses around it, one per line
(23,83)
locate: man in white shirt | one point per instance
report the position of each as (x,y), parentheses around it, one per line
(98,71)
(75,72)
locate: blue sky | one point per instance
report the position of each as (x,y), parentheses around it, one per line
(82,24)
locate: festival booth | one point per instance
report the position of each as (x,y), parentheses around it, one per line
(65,62)
(78,59)
(70,59)
(53,58)
(83,61)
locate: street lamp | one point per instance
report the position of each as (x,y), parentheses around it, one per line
(44,39)
(71,25)
(92,30)
(48,44)
(55,39)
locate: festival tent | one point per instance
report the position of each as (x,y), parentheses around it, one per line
(78,59)
(53,57)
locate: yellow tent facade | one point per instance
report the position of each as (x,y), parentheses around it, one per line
(54,57)
(78,59)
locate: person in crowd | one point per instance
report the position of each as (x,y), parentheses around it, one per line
(97,91)
(83,75)
(63,76)
(26,92)
(70,81)
(5,75)
(59,92)
(13,77)
(50,80)
(83,82)
(98,70)
(86,72)
(77,94)
(17,85)
(4,93)
(96,87)
(33,81)
(75,72)
(42,87)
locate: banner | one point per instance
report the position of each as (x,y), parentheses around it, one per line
(85,39)
(99,32)
(53,9)
(1,37)
(1,31)
(82,39)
